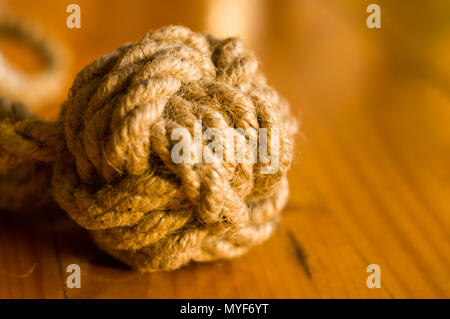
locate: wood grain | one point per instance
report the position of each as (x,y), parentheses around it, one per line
(371,178)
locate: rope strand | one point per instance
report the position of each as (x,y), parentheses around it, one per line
(24,178)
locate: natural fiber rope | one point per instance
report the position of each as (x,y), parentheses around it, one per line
(21,182)
(34,89)
(111,149)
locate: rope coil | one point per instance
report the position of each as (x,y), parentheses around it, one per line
(37,88)
(111,150)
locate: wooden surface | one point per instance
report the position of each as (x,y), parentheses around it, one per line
(371,179)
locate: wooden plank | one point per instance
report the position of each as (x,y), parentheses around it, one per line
(29,261)
(273,270)
(370,183)
(376,222)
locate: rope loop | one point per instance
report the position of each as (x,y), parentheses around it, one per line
(32,89)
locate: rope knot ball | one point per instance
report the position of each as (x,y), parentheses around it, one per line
(113,169)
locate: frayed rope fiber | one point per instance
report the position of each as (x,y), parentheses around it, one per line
(111,150)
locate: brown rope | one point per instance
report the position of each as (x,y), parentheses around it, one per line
(34,89)
(111,149)
(23,179)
